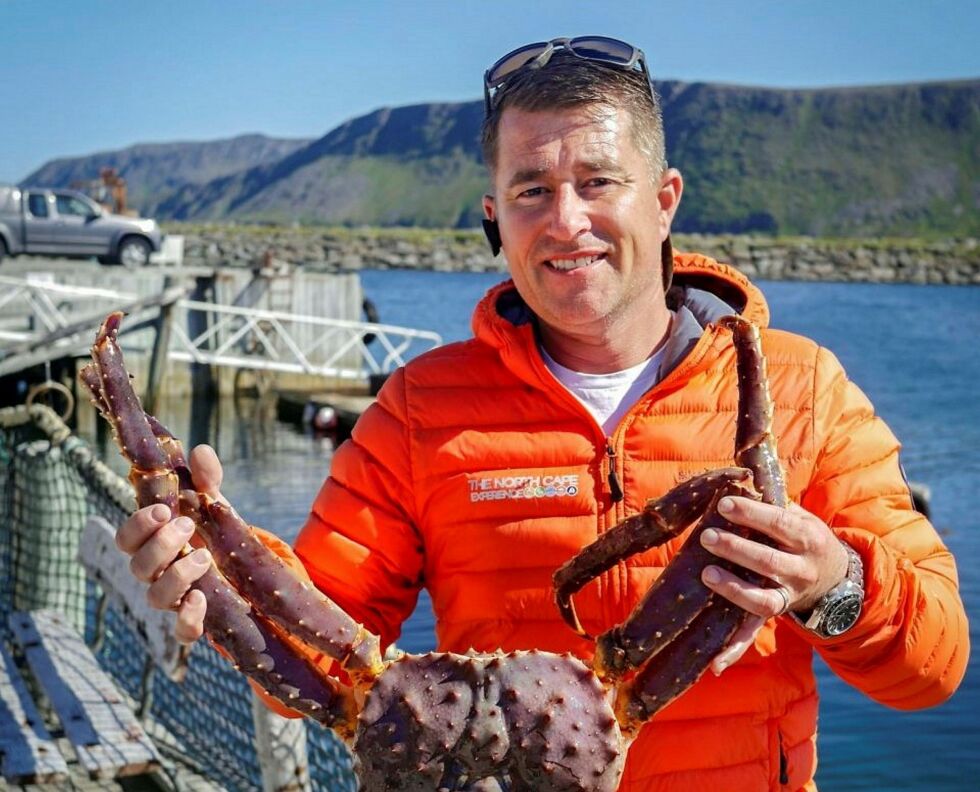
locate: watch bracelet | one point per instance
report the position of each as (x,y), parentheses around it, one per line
(853,580)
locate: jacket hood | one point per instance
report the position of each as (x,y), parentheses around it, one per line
(703,291)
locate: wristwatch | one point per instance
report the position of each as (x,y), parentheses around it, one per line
(838,609)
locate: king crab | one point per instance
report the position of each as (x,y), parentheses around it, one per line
(525,720)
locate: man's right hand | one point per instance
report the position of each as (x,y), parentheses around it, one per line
(154,542)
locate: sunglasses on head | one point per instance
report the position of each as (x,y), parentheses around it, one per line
(599,49)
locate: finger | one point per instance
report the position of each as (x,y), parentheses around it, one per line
(744,638)
(190,617)
(206,470)
(141,526)
(786,526)
(166,592)
(768,561)
(765,602)
(160,550)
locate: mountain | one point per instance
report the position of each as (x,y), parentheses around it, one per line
(898,160)
(416,165)
(155,170)
(879,160)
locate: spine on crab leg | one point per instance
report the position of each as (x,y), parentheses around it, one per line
(660,520)
(673,602)
(292,604)
(755,443)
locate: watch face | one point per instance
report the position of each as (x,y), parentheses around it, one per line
(841,615)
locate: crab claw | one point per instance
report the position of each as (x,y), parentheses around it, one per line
(660,520)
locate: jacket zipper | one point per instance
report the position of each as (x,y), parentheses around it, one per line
(615,488)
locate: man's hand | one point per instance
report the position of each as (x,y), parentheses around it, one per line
(806,562)
(154,541)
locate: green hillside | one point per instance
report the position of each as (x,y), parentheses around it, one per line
(896,160)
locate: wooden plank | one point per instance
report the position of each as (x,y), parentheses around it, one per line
(109,567)
(29,754)
(108,740)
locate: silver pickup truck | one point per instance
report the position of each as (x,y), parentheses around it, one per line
(69,223)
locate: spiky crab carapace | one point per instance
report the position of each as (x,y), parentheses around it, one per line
(525,720)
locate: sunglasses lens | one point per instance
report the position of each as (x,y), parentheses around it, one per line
(514,61)
(599,48)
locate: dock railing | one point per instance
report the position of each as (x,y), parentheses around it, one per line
(37,305)
(41,319)
(278,341)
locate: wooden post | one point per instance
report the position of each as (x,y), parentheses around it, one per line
(281,747)
(202,377)
(158,358)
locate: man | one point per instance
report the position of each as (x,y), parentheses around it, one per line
(598,380)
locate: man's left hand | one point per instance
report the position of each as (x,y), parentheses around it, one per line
(806,562)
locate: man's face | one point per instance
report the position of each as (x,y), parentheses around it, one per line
(581,218)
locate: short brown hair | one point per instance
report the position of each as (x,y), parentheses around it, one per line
(566,82)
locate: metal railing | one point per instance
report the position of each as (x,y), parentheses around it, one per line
(277,341)
(40,311)
(32,307)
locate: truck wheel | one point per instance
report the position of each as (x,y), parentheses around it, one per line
(133,252)
(3,249)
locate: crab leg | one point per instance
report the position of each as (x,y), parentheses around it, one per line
(755,443)
(672,603)
(660,520)
(677,666)
(263,656)
(297,606)
(294,605)
(229,621)
(680,664)
(89,377)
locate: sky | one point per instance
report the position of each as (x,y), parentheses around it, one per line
(93,75)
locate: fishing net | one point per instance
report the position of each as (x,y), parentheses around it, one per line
(50,483)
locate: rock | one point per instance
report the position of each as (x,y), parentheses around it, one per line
(887,261)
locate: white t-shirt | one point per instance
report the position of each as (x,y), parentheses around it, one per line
(608,396)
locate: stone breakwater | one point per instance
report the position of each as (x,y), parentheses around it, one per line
(765,258)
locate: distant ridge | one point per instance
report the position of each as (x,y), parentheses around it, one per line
(853,161)
(155,170)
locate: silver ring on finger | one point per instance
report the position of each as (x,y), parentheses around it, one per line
(782,592)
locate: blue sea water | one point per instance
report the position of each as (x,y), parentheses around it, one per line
(913,349)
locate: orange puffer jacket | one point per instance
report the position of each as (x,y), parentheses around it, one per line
(476,474)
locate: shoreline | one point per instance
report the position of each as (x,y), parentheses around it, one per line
(323,249)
